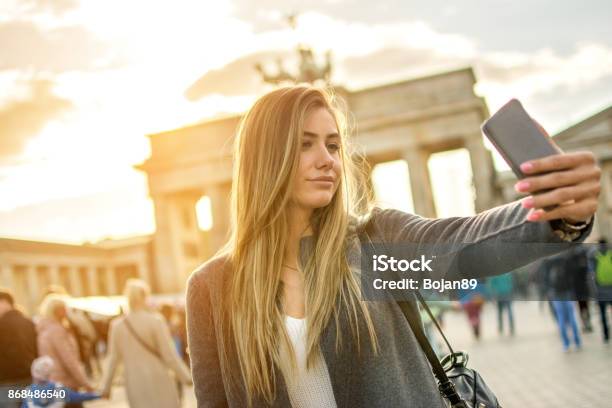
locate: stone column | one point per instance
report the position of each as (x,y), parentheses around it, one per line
(75,281)
(54,274)
(143,270)
(6,274)
(368,187)
(166,246)
(111,281)
(420,183)
(603,218)
(33,287)
(92,277)
(483,173)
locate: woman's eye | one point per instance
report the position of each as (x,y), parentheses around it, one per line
(334,147)
(306,144)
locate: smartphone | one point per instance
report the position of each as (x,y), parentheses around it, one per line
(517,137)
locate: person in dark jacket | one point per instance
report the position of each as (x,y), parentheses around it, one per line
(561,291)
(17,345)
(576,264)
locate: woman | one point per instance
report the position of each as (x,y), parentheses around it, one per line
(141,340)
(56,340)
(275,319)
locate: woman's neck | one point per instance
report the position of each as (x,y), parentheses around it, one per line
(300,227)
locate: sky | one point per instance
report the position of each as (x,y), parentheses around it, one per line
(83,82)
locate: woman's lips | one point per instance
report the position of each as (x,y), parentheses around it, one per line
(325,183)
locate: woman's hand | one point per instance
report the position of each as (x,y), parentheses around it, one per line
(574,183)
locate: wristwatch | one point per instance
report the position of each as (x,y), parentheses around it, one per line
(569,231)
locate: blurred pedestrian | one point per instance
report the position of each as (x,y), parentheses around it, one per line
(141,340)
(501,289)
(45,393)
(181,327)
(600,265)
(561,292)
(169,313)
(17,344)
(472,301)
(57,342)
(576,265)
(82,328)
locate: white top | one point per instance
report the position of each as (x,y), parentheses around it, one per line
(312,388)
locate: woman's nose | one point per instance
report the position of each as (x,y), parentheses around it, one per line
(324,159)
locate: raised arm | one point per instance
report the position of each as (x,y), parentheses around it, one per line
(498,240)
(490,243)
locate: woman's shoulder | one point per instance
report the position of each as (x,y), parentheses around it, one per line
(209,274)
(380,214)
(379,219)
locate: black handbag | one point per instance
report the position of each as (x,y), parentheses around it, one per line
(461,386)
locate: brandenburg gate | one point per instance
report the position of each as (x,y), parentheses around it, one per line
(409,120)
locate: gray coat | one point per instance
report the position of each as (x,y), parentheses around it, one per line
(400,375)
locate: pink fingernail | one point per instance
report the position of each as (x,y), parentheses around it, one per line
(527,202)
(527,166)
(522,185)
(534,216)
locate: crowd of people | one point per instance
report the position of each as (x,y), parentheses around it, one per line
(569,282)
(54,357)
(574,277)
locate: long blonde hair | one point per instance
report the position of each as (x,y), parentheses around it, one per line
(266,159)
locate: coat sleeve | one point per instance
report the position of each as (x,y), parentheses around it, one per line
(167,351)
(489,243)
(68,353)
(202,343)
(112,359)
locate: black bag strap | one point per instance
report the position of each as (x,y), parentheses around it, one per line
(446,387)
(142,342)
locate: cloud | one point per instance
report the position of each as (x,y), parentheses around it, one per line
(55,6)
(238,77)
(524,73)
(511,25)
(353,45)
(121,212)
(394,63)
(24,45)
(564,105)
(22,119)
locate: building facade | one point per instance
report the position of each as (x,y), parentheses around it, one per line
(409,120)
(29,267)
